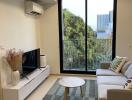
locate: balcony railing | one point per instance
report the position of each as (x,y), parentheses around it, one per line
(74,54)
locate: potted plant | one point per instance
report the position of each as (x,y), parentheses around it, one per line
(14,59)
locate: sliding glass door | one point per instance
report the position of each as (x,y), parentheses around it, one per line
(86,34)
(73,35)
(99,32)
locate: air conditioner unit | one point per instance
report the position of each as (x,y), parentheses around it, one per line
(33,8)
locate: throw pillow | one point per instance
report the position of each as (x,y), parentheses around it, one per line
(125,67)
(128,84)
(117,63)
(128,72)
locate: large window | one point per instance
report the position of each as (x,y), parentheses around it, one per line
(87,34)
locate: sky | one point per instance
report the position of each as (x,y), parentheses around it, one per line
(94,7)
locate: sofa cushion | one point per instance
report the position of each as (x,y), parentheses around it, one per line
(106,72)
(112,80)
(125,67)
(117,63)
(128,72)
(102,90)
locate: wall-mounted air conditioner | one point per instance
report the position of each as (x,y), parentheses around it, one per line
(33,8)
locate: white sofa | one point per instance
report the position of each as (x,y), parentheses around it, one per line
(111,84)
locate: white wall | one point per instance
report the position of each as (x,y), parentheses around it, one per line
(50,38)
(17,29)
(124,28)
(50,33)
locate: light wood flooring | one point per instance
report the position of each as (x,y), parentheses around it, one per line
(41,91)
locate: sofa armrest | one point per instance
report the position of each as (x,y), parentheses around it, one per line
(119,94)
(105,65)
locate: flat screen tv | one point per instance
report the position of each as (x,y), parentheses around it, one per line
(31,61)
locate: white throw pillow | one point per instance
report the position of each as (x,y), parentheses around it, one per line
(128,72)
(125,67)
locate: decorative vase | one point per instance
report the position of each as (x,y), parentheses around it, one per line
(15,77)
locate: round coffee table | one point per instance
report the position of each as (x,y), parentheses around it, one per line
(71,82)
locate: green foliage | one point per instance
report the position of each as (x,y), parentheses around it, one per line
(73,25)
(74,42)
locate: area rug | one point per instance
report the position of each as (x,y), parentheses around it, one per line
(57,92)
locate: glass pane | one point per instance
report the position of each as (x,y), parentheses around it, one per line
(74,35)
(100,30)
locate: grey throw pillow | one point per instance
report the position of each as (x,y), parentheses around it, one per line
(128,72)
(125,67)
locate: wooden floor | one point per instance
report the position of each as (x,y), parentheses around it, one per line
(41,91)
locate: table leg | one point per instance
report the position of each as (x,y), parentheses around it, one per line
(81,89)
(66,93)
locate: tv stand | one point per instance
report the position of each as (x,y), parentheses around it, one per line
(26,86)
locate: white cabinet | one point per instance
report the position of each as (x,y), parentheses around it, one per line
(26,86)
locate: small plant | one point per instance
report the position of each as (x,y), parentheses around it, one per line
(14,58)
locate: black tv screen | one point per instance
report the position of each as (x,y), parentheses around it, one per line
(31,61)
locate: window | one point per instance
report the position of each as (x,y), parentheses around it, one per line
(87,34)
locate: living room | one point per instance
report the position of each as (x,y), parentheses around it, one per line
(27,32)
